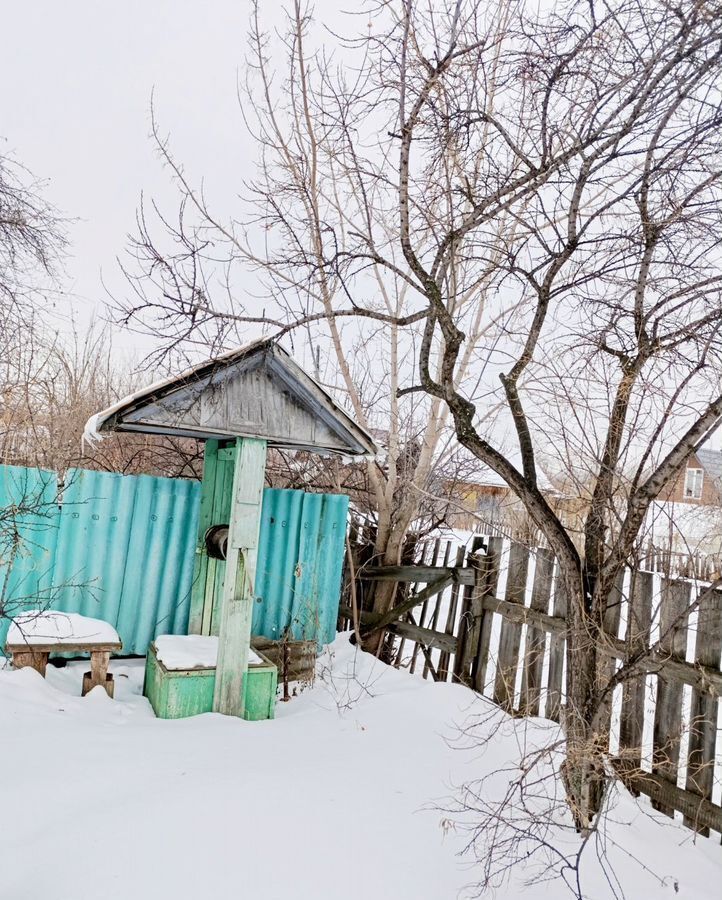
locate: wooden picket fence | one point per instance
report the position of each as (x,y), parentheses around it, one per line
(700,566)
(491,616)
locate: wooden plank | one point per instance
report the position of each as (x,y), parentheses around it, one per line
(462,660)
(398,655)
(704,677)
(425,605)
(482,617)
(510,638)
(673,621)
(525,615)
(445,656)
(381,621)
(432,639)
(65,647)
(639,623)
(535,639)
(438,600)
(36,659)
(429,663)
(205,520)
(417,574)
(99,662)
(703,715)
(557,649)
(436,639)
(697,810)
(237,607)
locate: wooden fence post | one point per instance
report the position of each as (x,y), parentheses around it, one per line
(486,585)
(703,716)
(473,615)
(668,711)
(639,623)
(425,605)
(557,649)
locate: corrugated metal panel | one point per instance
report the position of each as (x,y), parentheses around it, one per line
(28,534)
(125,552)
(122,549)
(300,562)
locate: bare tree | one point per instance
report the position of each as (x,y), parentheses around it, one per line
(529,204)
(31,242)
(52,383)
(309,197)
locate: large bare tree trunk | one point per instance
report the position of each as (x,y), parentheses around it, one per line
(583,769)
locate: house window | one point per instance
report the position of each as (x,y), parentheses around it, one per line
(693,484)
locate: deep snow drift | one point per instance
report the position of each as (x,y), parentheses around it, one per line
(342,796)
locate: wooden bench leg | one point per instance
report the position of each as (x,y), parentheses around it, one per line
(99,662)
(35,660)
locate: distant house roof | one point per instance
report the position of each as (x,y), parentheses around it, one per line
(255,391)
(711,462)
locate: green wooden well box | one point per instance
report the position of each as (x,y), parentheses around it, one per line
(176,693)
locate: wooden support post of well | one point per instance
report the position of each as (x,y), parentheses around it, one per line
(237,602)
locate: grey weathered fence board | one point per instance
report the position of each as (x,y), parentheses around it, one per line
(639,623)
(702,814)
(557,649)
(535,636)
(703,715)
(510,639)
(422,615)
(416,574)
(438,600)
(444,658)
(488,578)
(467,637)
(409,630)
(673,620)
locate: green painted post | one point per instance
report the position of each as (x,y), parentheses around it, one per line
(237,609)
(205,520)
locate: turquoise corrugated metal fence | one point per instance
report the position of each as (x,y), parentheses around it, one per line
(121,548)
(300,562)
(125,549)
(28,535)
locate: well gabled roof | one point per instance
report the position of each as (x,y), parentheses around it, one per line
(255,391)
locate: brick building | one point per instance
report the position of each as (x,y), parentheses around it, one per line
(700,484)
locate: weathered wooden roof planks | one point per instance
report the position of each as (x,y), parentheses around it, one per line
(255,391)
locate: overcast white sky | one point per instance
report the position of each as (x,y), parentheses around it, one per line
(76,84)
(77,79)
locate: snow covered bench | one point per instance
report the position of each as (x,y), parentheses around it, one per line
(33,636)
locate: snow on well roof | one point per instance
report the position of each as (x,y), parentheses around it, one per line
(254,391)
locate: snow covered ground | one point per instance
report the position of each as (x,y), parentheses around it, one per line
(340,797)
